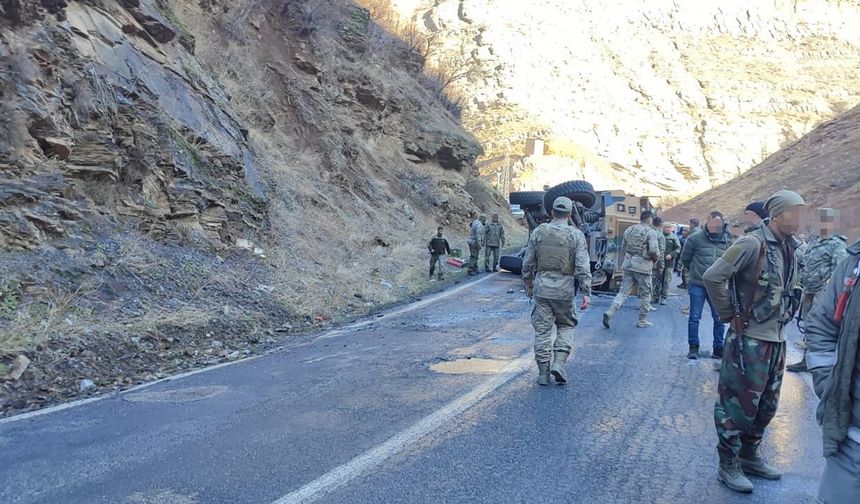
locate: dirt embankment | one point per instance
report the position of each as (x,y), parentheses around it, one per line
(183,183)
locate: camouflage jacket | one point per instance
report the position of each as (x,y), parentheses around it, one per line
(832,356)
(551,284)
(641,248)
(661,245)
(673,245)
(494,236)
(819,261)
(476,233)
(773,303)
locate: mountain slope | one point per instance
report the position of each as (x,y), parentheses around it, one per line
(823,166)
(659,97)
(181,181)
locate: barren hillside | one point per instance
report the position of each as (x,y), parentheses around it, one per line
(660,97)
(182,182)
(823,166)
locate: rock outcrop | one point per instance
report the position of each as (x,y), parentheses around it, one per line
(663,97)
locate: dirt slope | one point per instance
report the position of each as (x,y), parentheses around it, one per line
(184,182)
(823,166)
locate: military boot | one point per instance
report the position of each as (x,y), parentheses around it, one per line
(440,277)
(754,465)
(694,352)
(731,475)
(717,353)
(643,323)
(557,369)
(663,301)
(607,317)
(543,373)
(486,269)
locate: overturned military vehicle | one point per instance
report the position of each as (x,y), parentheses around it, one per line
(602,216)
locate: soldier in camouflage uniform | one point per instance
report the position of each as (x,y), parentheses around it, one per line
(819,261)
(671,254)
(475,242)
(556,256)
(760,271)
(660,265)
(641,251)
(494,238)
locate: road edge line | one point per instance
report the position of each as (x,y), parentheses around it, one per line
(374,457)
(329,334)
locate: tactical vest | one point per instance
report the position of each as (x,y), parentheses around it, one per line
(553,247)
(773,298)
(636,241)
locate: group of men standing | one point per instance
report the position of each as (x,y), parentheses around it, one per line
(755,284)
(490,237)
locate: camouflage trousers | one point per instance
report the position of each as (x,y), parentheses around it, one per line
(491,251)
(748,397)
(656,284)
(667,280)
(549,312)
(634,279)
(474,252)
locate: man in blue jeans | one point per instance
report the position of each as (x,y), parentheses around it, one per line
(701,250)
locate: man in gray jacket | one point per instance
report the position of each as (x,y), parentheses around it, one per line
(833,335)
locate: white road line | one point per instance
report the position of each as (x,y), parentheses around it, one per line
(330,334)
(374,457)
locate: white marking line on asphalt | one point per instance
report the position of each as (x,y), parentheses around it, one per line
(344,330)
(374,457)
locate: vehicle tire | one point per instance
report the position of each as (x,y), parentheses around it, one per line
(591,217)
(526,199)
(514,264)
(577,190)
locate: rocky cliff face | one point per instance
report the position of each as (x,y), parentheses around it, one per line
(180,181)
(659,97)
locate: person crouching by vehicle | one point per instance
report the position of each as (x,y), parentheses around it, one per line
(556,257)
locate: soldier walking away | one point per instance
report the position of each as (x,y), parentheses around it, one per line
(641,251)
(438,247)
(556,257)
(660,264)
(673,251)
(753,215)
(754,285)
(833,334)
(475,242)
(819,261)
(494,237)
(703,248)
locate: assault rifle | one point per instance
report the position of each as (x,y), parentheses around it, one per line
(740,320)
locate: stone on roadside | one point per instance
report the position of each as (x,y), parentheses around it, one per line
(19,365)
(87,386)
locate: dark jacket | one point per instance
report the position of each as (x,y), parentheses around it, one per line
(702,250)
(832,356)
(439,245)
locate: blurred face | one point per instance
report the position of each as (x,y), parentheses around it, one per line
(496,218)
(439,232)
(751,218)
(668,229)
(788,222)
(714,224)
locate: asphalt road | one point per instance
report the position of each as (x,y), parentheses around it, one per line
(433,404)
